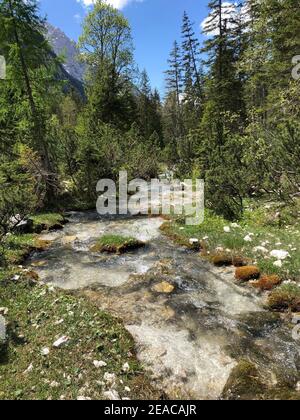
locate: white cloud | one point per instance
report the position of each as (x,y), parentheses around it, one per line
(118,4)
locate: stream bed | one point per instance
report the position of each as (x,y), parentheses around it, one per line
(191,322)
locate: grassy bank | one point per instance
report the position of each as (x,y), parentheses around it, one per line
(253,238)
(264,240)
(98,359)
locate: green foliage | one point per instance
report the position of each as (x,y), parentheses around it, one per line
(21,189)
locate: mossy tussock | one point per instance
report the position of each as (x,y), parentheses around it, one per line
(48,222)
(116,244)
(266,283)
(285,297)
(249,272)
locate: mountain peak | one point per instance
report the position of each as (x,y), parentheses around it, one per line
(63,45)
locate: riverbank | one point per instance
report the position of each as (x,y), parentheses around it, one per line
(96,358)
(198,333)
(259,240)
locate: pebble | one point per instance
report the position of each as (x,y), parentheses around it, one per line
(126,367)
(45,351)
(61,341)
(112,395)
(99,364)
(4,311)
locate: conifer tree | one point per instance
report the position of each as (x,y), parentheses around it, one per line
(30,78)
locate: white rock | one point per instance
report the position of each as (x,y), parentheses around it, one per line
(109,378)
(279,254)
(99,364)
(29,369)
(54,384)
(61,341)
(127,389)
(16,277)
(193,241)
(235,225)
(248,238)
(126,367)
(45,351)
(278,263)
(227,229)
(83,398)
(112,395)
(298,387)
(61,321)
(205,238)
(4,311)
(261,249)
(219,249)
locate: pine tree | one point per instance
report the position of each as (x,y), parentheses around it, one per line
(174,127)
(149,112)
(174,74)
(190,61)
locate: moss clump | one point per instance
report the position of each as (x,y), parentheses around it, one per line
(239,261)
(244,383)
(116,244)
(221,260)
(285,297)
(267,282)
(48,221)
(247,273)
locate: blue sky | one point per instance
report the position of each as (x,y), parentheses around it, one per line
(155,25)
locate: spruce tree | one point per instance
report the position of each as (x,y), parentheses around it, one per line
(190,60)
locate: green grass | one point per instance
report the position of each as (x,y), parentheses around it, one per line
(258,221)
(116,240)
(47,220)
(116,244)
(17,247)
(34,315)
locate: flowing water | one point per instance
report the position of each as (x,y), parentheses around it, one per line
(190,321)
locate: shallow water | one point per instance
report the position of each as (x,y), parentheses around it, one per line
(191,336)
